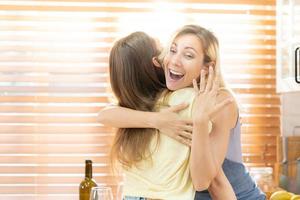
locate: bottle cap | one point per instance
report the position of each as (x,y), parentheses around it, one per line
(88,161)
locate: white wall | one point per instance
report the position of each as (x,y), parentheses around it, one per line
(290,118)
(290,114)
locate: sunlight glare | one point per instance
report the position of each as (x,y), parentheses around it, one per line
(160,23)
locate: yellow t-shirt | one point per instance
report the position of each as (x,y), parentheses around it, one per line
(167,175)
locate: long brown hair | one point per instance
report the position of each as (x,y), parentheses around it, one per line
(136,83)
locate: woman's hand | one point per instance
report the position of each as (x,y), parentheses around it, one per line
(168,122)
(205,105)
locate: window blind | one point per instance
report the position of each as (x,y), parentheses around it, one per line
(54,79)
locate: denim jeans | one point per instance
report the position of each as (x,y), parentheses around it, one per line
(243,185)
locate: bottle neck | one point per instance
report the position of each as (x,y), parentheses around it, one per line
(88,171)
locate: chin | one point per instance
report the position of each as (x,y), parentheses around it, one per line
(175,87)
(171,87)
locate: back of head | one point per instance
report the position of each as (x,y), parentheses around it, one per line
(133,77)
(136,83)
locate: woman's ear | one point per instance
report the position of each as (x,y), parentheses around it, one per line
(211,63)
(206,69)
(155,62)
(207,65)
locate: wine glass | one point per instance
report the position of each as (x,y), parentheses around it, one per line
(101,193)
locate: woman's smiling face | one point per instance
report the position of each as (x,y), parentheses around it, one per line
(183,61)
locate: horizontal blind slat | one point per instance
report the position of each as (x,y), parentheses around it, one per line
(235,2)
(53,129)
(53,160)
(54,99)
(128,9)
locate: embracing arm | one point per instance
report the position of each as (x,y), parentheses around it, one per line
(121,117)
(166,121)
(202,163)
(207,155)
(220,187)
(223,122)
(209,150)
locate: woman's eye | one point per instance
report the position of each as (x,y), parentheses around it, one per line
(172,50)
(189,56)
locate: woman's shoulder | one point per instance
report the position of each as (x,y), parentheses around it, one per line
(225,93)
(179,96)
(230,112)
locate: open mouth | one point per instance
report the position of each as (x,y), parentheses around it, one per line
(174,75)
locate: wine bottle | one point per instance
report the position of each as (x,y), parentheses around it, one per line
(88,182)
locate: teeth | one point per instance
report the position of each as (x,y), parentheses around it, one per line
(176,73)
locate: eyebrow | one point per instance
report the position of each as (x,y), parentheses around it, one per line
(191,48)
(188,47)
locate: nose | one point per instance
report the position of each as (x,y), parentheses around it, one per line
(175,59)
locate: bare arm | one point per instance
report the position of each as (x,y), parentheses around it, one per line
(167,121)
(220,188)
(121,117)
(223,122)
(215,146)
(204,162)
